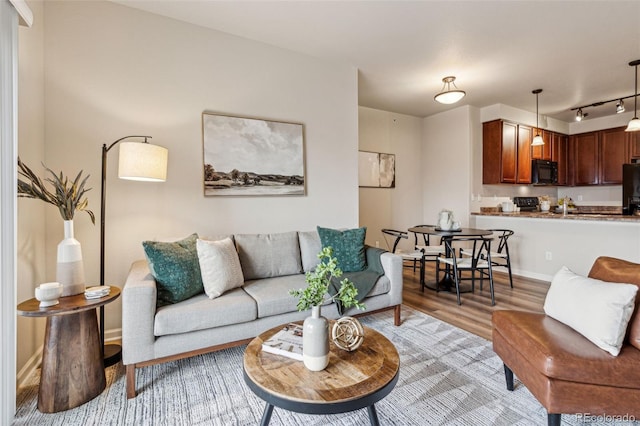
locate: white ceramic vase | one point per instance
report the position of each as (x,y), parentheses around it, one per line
(315,341)
(70,269)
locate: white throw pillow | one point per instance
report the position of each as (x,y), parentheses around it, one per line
(220,266)
(598,310)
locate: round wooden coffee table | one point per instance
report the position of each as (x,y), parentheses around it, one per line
(72,364)
(351,381)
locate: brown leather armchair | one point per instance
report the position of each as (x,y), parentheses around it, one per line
(566,372)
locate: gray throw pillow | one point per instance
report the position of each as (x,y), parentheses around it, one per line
(268,255)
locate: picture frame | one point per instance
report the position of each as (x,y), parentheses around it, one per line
(245,156)
(376,170)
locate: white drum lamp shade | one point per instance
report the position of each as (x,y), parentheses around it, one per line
(142,161)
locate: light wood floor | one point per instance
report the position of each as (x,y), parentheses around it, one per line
(474,315)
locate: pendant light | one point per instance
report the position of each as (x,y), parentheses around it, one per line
(537,139)
(448,96)
(634,124)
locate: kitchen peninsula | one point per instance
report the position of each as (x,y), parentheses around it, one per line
(544,242)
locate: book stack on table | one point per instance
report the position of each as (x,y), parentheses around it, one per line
(286,342)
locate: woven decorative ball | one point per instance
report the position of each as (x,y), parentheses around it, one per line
(347,333)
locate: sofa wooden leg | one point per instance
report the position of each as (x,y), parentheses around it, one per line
(396,315)
(508,375)
(131,380)
(554,419)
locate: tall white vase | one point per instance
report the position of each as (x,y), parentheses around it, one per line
(315,341)
(70,269)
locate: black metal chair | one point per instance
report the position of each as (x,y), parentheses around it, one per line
(501,257)
(431,251)
(415,257)
(476,259)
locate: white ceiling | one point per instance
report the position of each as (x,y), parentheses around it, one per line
(576,51)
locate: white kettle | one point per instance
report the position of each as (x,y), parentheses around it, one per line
(445,220)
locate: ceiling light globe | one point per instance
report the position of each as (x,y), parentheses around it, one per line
(449,97)
(634,125)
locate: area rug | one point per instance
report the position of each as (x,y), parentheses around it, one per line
(447,377)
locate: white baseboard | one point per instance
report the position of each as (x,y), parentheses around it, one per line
(29,368)
(27,371)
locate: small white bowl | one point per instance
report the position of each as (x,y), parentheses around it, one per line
(48,294)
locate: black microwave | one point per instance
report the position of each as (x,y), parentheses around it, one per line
(544,172)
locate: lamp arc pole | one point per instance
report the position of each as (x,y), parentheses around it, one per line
(113,354)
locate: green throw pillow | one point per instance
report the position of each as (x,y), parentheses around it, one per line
(176,268)
(348,247)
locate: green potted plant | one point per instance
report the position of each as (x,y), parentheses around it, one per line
(68,196)
(315,335)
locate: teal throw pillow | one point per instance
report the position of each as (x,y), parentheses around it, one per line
(348,247)
(176,268)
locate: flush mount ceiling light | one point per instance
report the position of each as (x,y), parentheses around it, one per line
(620,107)
(448,96)
(634,124)
(537,139)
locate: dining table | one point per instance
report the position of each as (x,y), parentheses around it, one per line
(446,283)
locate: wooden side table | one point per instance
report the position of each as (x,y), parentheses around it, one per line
(351,381)
(72,364)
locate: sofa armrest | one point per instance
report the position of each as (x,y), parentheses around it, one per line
(138,314)
(392,265)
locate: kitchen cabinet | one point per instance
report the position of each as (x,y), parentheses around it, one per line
(614,152)
(506,152)
(560,153)
(542,152)
(634,145)
(597,157)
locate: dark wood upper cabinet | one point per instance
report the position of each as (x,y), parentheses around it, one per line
(523,174)
(506,152)
(634,145)
(597,157)
(584,154)
(614,152)
(542,152)
(560,154)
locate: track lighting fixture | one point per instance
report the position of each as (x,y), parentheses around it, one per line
(620,107)
(537,139)
(580,115)
(448,96)
(634,124)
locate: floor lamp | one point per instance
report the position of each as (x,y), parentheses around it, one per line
(137,161)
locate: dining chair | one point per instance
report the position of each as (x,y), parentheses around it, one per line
(500,257)
(431,251)
(476,260)
(415,257)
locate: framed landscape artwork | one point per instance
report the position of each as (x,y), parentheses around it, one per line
(376,170)
(248,156)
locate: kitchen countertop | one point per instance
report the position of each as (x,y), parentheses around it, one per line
(570,216)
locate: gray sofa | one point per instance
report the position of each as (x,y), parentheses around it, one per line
(199,325)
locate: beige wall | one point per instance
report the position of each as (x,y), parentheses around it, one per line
(399,207)
(112,71)
(31,213)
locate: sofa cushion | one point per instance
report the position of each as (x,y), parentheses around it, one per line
(201,313)
(310,246)
(557,351)
(176,269)
(272,294)
(621,271)
(598,310)
(268,255)
(347,245)
(220,266)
